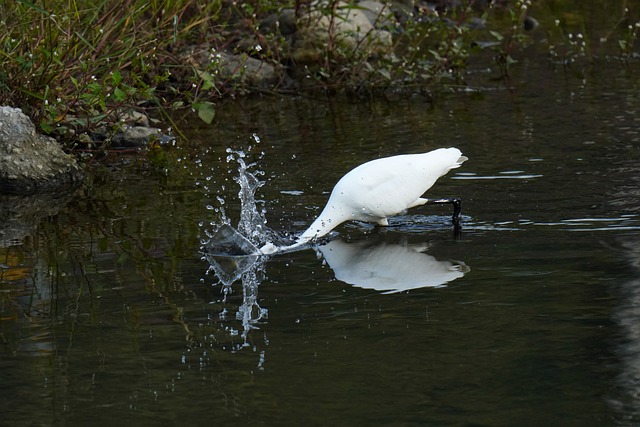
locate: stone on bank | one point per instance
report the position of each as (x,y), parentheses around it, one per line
(31,162)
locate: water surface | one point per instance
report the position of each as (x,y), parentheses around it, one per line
(109,314)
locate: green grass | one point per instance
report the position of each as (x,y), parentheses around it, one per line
(74,65)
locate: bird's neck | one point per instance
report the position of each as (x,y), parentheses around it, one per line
(331,217)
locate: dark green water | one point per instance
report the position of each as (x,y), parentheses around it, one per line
(107,314)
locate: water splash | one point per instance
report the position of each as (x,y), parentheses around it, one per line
(252,224)
(251,231)
(232,253)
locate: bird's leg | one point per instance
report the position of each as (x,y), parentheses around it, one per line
(384,222)
(457,207)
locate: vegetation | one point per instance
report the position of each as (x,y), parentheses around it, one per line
(74,65)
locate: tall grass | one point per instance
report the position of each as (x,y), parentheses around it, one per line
(78,61)
(75,64)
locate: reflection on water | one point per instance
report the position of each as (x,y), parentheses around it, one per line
(506,175)
(626,399)
(387,266)
(628,222)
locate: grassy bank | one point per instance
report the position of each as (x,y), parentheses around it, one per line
(74,65)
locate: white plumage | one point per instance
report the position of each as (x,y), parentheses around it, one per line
(381,188)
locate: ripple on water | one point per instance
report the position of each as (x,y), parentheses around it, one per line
(501,175)
(622,223)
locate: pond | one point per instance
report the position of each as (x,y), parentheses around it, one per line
(528,316)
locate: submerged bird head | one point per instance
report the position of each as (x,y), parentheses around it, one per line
(331,216)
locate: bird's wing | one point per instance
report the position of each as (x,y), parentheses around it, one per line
(387,186)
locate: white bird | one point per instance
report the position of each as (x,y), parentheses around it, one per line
(381,188)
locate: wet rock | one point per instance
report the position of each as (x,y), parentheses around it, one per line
(31,162)
(125,136)
(138,136)
(132,129)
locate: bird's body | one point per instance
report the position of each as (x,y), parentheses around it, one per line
(381,188)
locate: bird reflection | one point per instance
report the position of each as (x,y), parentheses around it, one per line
(379,263)
(626,397)
(389,267)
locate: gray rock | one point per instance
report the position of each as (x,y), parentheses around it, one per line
(224,66)
(379,14)
(31,162)
(349,31)
(137,136)
(135,118)
(283,23)
(251,70)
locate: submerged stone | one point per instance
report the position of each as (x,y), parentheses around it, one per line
(227,241)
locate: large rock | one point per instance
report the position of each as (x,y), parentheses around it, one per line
(349,32)
(31,162)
